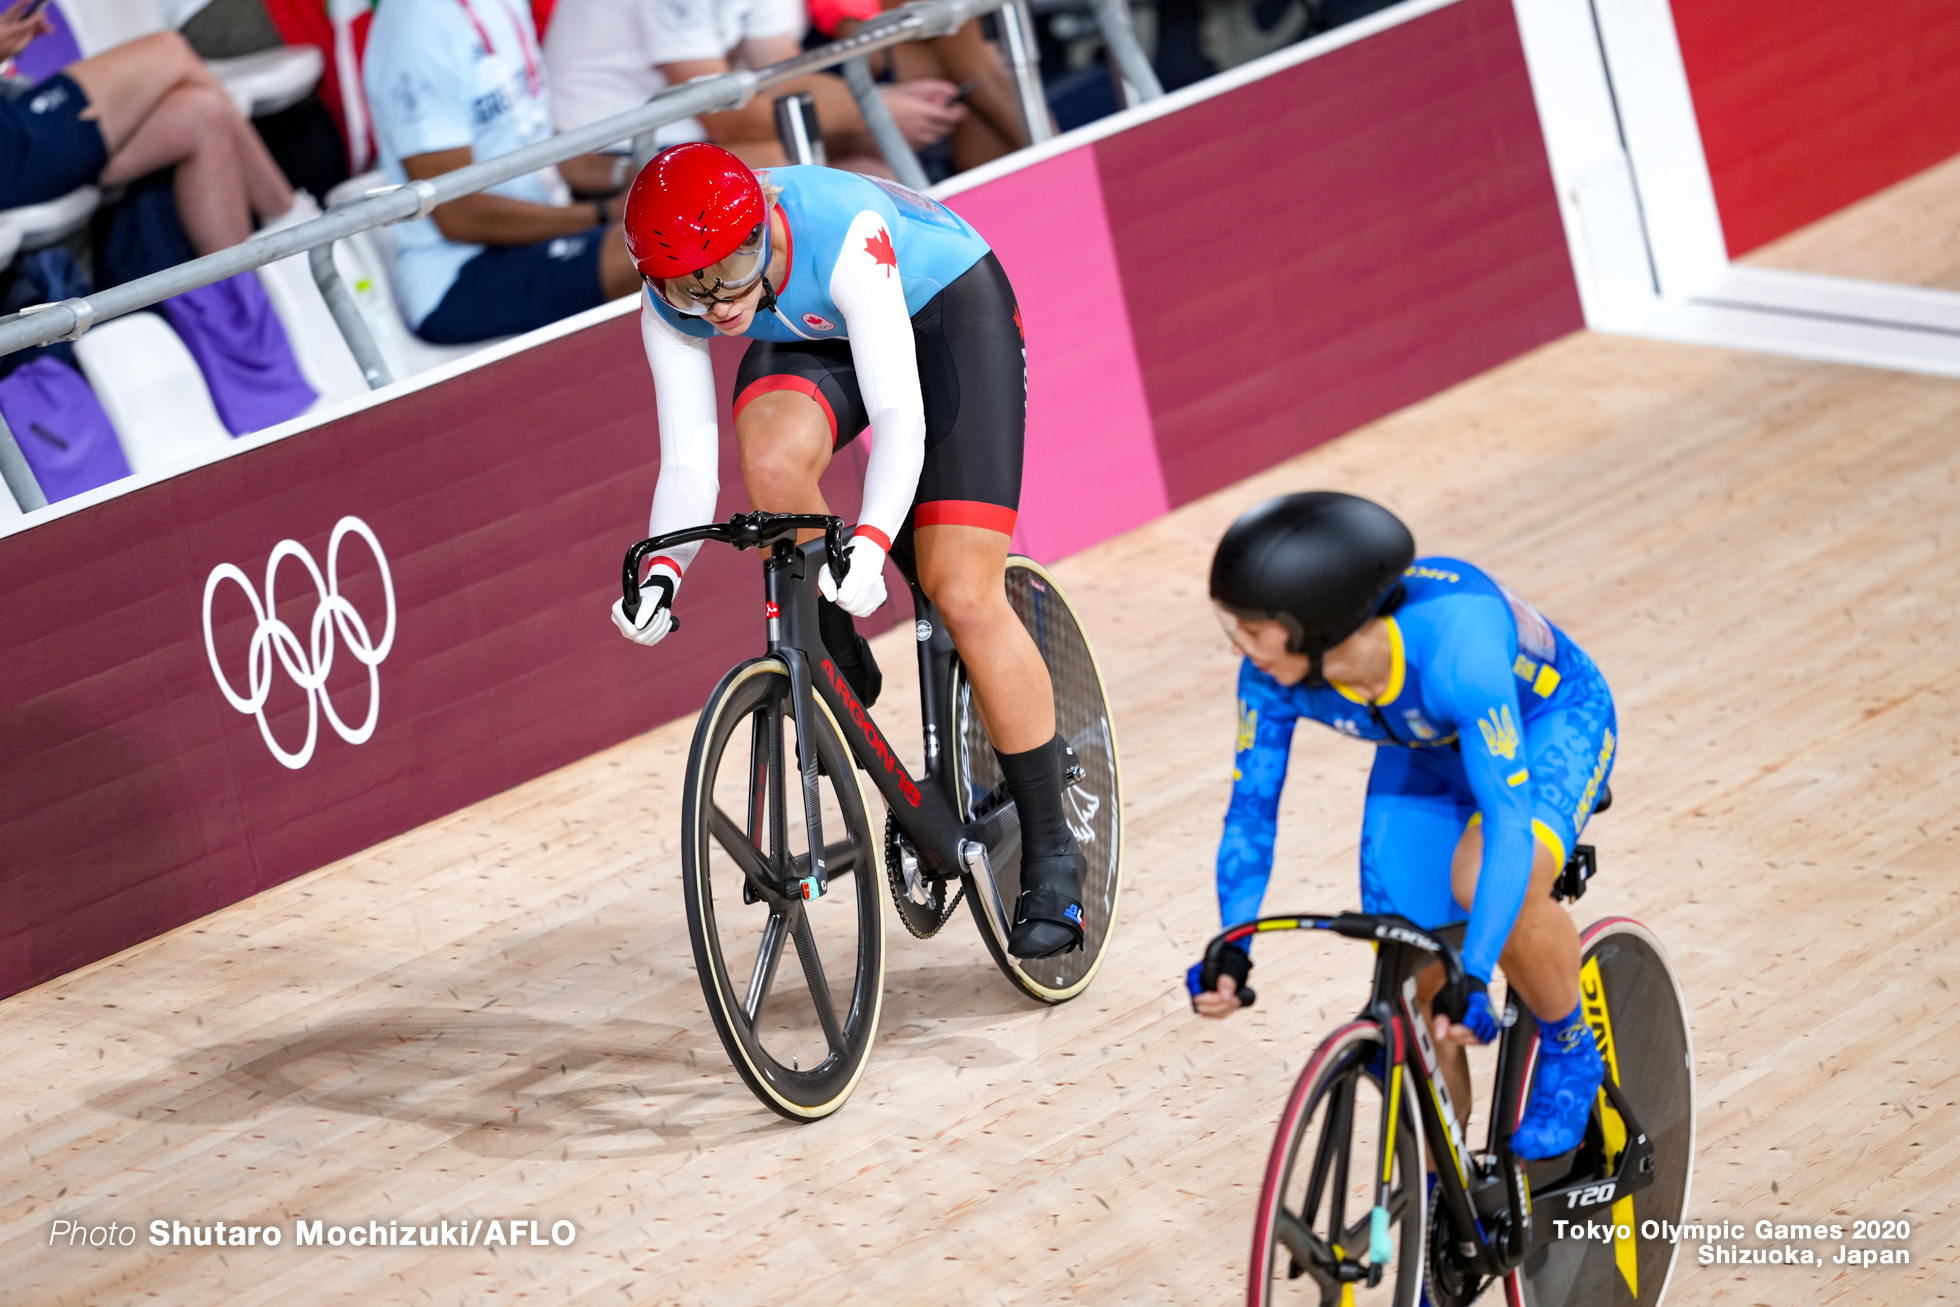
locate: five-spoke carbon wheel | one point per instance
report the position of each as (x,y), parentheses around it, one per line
(793,985)
(1093,799)
(1311,1240)
(1633,1003)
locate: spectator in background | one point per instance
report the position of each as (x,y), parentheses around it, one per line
(966,57)
(450,82)
(608,56)
(143,106)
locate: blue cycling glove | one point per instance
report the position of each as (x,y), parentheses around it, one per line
(1477,1016)
(1233,961)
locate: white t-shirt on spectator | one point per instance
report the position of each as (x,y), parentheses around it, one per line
(432,85)
(603,54)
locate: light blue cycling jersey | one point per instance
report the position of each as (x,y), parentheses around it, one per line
(1491,714)
(927,242)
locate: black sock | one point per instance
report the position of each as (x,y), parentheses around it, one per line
(1034,781)
(850,652)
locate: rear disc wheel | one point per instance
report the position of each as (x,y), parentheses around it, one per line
(1092,800)
(1633,1003)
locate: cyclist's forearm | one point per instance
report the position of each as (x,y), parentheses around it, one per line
(891,476)
(1263,746)
(1502,881)
(486,219)
(690,434)
(1245,867)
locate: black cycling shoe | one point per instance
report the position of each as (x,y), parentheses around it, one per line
(850,651)
(1048,911)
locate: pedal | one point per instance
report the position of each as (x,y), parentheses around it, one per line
(806,889)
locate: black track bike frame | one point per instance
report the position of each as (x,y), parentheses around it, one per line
(1490,1187)
(927,807)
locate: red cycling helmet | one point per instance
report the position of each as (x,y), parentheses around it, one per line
(692,206)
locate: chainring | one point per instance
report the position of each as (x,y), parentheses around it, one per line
(937,897)
(1451,1281)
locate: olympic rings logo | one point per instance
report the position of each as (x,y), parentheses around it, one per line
(308,664)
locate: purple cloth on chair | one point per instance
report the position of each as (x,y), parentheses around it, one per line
(242,350)
(48,54)
(61,429)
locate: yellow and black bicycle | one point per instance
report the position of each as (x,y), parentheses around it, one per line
(1346,1214)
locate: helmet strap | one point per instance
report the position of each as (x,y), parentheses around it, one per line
(767,304)
(1315,681)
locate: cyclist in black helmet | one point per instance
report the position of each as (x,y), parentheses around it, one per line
(1496,735)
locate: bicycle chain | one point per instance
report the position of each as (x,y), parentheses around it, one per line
(922,920)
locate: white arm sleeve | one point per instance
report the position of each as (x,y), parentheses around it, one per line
(690,436)
(866,289)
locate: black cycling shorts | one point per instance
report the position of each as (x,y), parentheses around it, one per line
(512,288)
(47,148)
(973,374)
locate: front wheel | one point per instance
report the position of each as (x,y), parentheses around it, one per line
(1092,800)
(798,1034)
(1312,1240)
(1634,1006)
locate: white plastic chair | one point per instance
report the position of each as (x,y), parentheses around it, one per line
(267,81)
(366,261)
(259,84)
(33,226)
(323,357)
(10,511)
(152,391)
(100,24)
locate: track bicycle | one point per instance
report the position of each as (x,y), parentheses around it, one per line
(773,775)
(1345,1214)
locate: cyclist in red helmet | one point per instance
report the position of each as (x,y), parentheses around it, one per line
(870,307)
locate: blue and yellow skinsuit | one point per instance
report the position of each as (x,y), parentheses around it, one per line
(1491,714)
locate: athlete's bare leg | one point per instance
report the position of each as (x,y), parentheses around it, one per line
(963,570)
(158,106)
(785,440)
(1540,959)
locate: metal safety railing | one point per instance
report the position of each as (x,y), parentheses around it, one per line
(920,20)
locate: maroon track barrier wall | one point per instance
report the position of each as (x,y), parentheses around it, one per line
(1807,106)
(1267,267)
(1336,241)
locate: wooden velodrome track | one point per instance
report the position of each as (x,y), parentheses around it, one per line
(497,1015)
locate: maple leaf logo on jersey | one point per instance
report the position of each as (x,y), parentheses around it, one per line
(879,247)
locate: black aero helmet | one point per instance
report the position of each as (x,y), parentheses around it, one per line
(1321,563)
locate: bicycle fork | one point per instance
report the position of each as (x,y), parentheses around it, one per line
(781,560)
(1380,1247)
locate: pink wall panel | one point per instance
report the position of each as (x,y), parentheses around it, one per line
(1807,106)
(1328,244)
(1203,294)
(1092,469)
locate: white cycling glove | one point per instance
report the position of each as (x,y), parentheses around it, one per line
(863,591)
(656,616)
